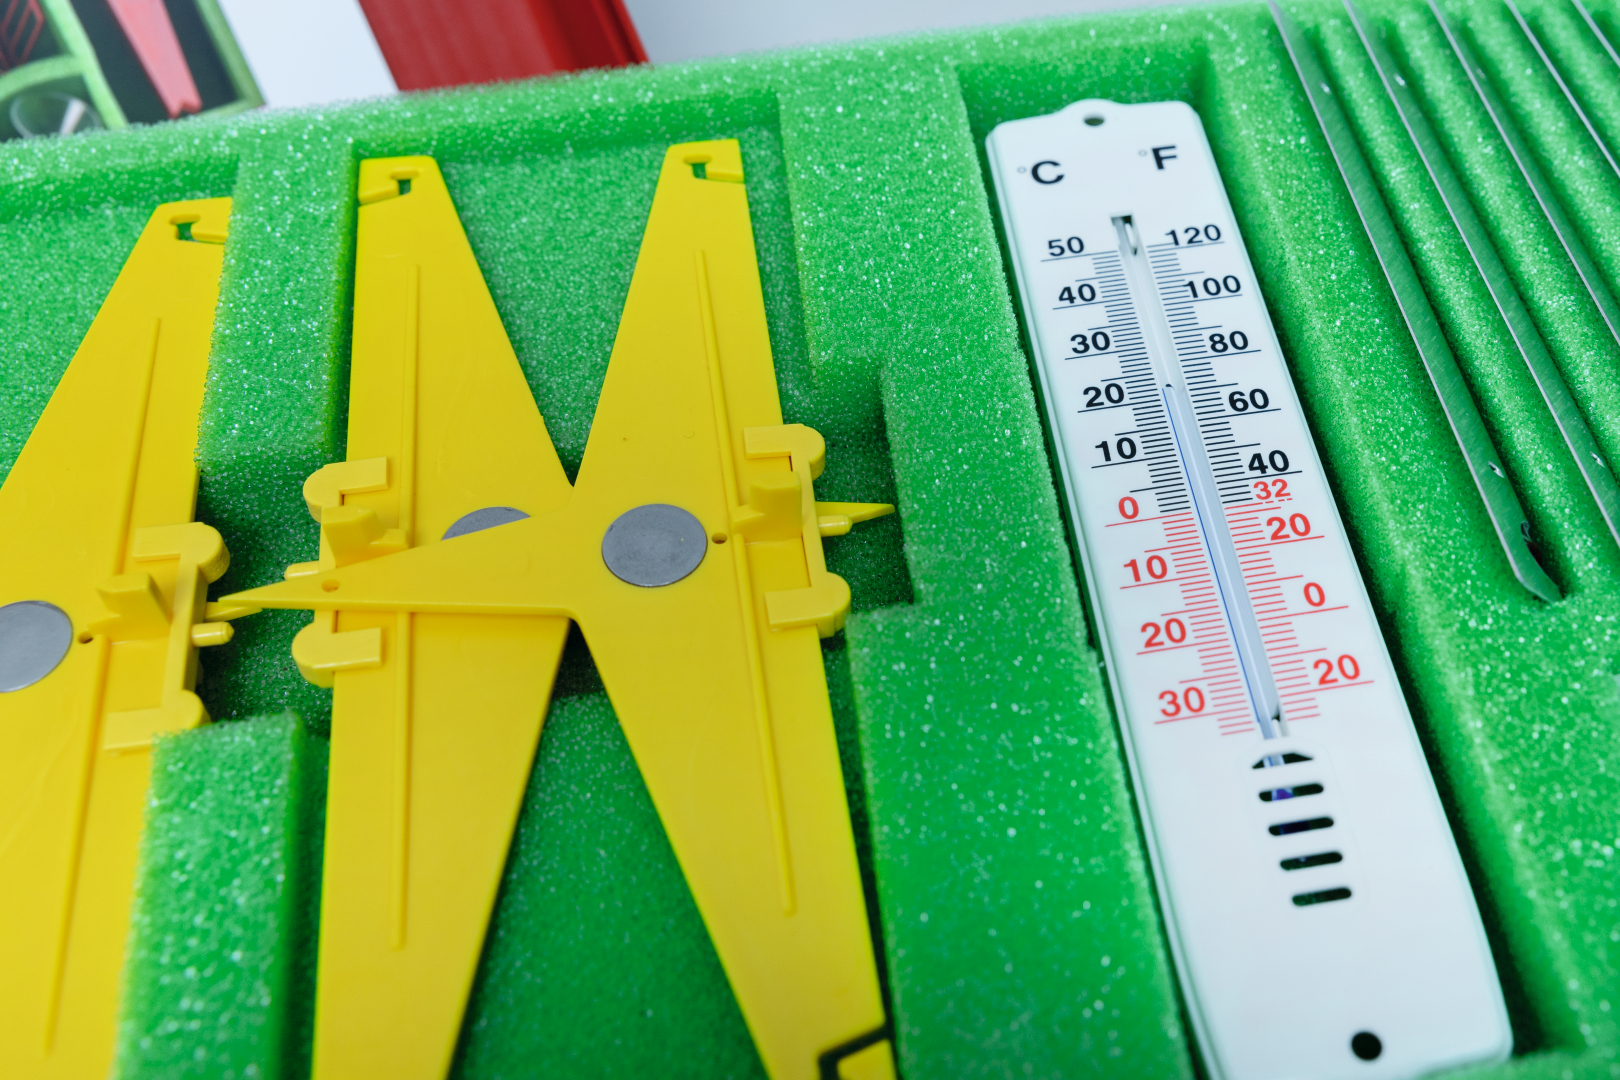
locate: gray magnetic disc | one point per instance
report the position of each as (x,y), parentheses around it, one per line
(487,518)
(34,636)
(653,545)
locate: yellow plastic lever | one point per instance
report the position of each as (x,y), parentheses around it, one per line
(716,676)
(435,716)
(103,597)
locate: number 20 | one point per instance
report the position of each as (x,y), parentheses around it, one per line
(1346,666)
(1174,629)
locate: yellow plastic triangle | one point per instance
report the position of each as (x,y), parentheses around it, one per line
(95,523)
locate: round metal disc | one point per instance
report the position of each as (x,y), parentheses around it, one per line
(654,545)
(34,636)
(487,518)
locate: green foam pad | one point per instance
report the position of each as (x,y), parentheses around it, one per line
(217,978)
(1016,923)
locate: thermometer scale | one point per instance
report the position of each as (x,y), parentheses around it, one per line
(1318,912)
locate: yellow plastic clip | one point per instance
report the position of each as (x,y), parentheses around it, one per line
(689,551)
(102,608)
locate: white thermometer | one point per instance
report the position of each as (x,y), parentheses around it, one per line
(1320,918)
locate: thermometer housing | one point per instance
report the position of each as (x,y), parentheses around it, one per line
(1319,914)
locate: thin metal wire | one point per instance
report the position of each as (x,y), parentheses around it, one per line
(1583,447)
(1479,453)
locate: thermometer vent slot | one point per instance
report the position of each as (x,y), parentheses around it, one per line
(1305,862)
(1288,828)
(1321,896)
(1272,761)
(1295,792)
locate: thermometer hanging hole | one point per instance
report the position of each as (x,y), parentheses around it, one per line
(1364,1044)
(1094,120)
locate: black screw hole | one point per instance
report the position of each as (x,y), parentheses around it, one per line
(1366,1046)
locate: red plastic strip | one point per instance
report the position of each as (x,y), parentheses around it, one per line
(429,43)
(146,24)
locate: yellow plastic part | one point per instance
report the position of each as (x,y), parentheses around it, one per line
(95,518)
(717,679)
(875,1062)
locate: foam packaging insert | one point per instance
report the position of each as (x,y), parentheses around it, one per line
(1017,929)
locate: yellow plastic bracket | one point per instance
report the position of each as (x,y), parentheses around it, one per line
(716,678)
(96,522)
(348,535)
(199,557)
(825,601)
(326,487)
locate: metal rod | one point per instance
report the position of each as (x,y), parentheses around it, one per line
(1583,447)
(1479,453)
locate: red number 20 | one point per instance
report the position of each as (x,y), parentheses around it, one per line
(1346,666)
(1174,629)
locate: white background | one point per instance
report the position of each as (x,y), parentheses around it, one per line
(684,29)
(309,52)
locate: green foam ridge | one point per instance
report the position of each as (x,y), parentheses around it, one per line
(217,978)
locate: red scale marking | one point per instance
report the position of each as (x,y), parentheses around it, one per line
(1273,618)
(1341,686)
(1143,520)
(1307,611)
(1227,700)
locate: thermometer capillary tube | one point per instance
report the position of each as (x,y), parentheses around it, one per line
(1235,603)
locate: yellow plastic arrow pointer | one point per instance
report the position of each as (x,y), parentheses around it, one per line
(689,551)
(101,609)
